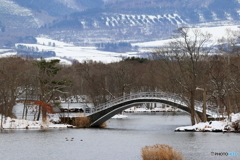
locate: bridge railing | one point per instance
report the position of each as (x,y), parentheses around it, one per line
(163,95)
(128,97)
(210,109)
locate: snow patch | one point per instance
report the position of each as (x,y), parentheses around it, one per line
(119,116)
(213,126)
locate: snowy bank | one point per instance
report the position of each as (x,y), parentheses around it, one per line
(212,126)
(120,116)
(215,126)
(10,123)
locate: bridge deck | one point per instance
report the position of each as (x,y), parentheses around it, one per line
(107,110)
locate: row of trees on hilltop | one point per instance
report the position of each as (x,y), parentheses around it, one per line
(120,47)
(183,67)
(34,52)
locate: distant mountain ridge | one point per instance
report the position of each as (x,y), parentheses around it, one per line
(60,8)
(113,19)
(147,19)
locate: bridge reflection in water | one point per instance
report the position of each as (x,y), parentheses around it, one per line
(103,112)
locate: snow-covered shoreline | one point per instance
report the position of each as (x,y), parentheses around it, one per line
(10,123)
(214,126)
(211,126)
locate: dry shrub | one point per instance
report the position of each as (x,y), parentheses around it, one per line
(82,122)
(103,125)
(160,152)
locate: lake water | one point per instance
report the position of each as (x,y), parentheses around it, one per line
(123,139)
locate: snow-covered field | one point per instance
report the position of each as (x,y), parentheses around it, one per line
(216,32)
(67,52)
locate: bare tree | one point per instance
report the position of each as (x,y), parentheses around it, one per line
(228,47)
(183,60)
(94,77)
(12,71)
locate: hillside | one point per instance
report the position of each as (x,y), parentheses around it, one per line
(85,22)
(143,20)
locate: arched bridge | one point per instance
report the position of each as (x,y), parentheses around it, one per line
(103,112)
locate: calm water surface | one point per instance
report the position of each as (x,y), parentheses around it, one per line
(121,140)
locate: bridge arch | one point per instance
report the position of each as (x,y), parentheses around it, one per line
(105,111)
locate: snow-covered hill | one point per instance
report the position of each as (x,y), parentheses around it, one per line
(131,12)
(84,22)
(143,19)
(11,14)
(68,52)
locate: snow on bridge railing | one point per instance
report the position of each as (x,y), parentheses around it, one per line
(172,97)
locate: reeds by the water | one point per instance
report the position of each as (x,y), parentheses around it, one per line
(82,122)
(160,152)
(103,125)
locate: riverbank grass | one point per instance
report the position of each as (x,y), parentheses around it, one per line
(82,122)
(160,152)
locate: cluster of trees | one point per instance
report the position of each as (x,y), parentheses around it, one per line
(51,44)
(27,39)
(120,47)
(36,80)
(9,41)
(138,59)
(182,67)
(34,52)
(65,24)
(188,66)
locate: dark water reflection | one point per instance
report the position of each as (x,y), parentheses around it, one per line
(121,140)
